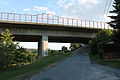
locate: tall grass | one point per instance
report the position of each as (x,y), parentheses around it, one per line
(35,67)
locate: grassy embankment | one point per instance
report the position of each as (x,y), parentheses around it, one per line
(96,59)
(29,70)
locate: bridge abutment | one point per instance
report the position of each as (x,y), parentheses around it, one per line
(43,46)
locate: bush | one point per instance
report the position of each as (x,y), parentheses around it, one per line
(24,56)
(96,44)
(7,49)
(64,49)
(12,53)
(74,46)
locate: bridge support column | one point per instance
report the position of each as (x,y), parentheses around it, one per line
(43,47)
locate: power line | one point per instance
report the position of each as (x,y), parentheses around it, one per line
(107,9)
(104,10)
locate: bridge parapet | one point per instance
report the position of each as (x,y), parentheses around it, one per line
(52,19)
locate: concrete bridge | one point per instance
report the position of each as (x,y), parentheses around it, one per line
(44,28)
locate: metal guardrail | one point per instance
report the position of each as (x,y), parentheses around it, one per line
(52,19)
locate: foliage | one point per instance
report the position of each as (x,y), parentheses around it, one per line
(64,49)
(115,23)
(11,53)
(102,37)
(26,71)
(97,59)
(33,50)
(23,56)
(74,46)
(7,49)
(57,52)
(52,52)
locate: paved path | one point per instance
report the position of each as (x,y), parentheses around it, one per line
(76,67)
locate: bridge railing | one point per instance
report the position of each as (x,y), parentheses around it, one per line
(52,19)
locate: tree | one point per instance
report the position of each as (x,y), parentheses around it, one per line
(102,37)
(12,53)
(7,49)
(64,48)
(74,46)
(115,23)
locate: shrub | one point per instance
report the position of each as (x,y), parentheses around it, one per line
(102,37)
(7,49)
(64,49)
(12,53)
(74,46)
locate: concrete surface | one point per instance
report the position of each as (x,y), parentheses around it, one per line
(37,30)
(76,67)
(43,46)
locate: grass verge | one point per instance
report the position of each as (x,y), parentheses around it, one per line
(26,71)
(96,59)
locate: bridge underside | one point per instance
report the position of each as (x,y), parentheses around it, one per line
(43,41)
(31,38)
(44,33)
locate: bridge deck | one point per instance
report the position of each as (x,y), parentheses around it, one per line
(50,26)
(50,19)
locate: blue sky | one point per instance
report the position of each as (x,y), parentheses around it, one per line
(83,9)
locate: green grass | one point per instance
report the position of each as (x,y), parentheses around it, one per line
(37,66)
(96,59)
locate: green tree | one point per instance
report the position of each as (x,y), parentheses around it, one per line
(12,53)
(74,46)
(23,55)
(64,49)
(102,37)
(115,23)
(7,49)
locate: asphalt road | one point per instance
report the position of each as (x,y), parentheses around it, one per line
(76,67)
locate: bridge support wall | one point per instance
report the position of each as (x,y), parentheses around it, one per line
(43,46)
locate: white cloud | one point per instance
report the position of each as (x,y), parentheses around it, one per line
(84,9)
(39,8)
(68,5)
(50,12)
(3,2)
(27,9)
(62,3)
(88,1)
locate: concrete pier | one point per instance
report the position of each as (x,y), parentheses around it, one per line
(43,46)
